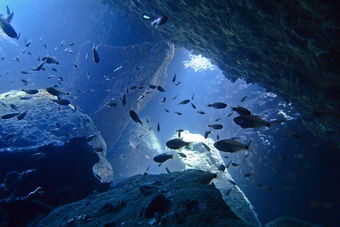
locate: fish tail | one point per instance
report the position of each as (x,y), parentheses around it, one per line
(190,146)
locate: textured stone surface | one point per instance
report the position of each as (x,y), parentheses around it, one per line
(290,48)
(175,199)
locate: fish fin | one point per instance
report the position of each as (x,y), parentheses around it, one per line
(190,146)
(10,17)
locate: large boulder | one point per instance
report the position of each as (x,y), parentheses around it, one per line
(46,156)
(174,199)
(290,48)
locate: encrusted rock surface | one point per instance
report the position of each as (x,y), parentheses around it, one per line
(175,199)
(45,159)
(288,47)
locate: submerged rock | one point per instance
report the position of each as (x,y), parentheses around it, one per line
(290,48)
(175,199)
(45,158)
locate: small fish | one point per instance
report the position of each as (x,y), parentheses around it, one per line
(135,117)
(95,55)
(185,101)
(163,100)
(166,110)
(159,88)
(193,105)
(30,91)
(251,121)
(218,105)
(218,137)
(179,132)
(159,21)
(63,102)
(39,67)
(231,145)
(200,112)
(175,97)
(75,66)
(216,126)
(174,78)
(178,113)
(55,92)
(178,83)
(230,114)
(181,154)
(248,174)
(162,158)
(206,134)
(98,149)
(8,116)
(21,115)
(217,119)
(14,107)
(221,168)
(50,60)
(151,86)
(177,144)
(118,68)
(244,99)
(26,72)
(241,110)
(124,99)
(206,146)
(158,127)
(111,103)
(193,96)
(133,87)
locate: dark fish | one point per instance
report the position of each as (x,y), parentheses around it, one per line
(206,134)
(206,146)
(135,117)
(63,102)
(28,43)
(178,113)
(162,158)
(251,121)
(98,149)
(179,132)
(26,72)
(30,91)
(178,83)
(8,116)
(50,60)
(241,110)
(159,21)
(200,112)
(5,25)
(230,114)
(221,168)
(124,99)
(21,115)
(166,110)
(133,87)
(75,66)
(39,67)
(216,126)
(193,96)
(159,88)
(185,101)
(111,103)
(167,170)
(158,127)
(174,78)
(55,92)
(163,100)
(151,86)
(218,119)
(174,97)
(218,105)
(95,55)
(248,174)
(193,105)
(54,69)
(181,154)
(177,144)
(231,145)
(218,137)
(244,99)
(90,137)
(14,107)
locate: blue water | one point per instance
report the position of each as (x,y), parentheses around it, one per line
(291,174)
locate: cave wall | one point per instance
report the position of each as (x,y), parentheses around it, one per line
(288,47)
